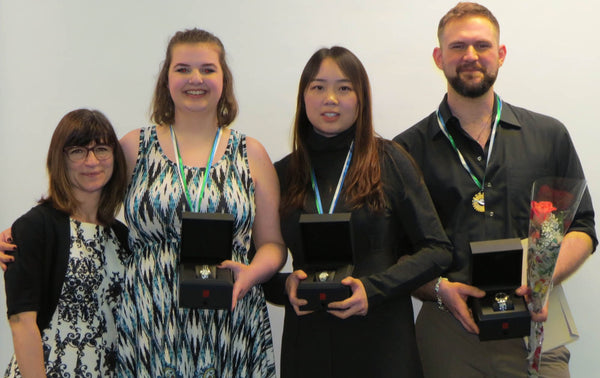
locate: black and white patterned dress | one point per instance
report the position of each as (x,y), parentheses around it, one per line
(81,340)
(158,338)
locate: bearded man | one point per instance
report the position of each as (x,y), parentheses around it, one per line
(480,156)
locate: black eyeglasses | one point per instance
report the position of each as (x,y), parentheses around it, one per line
(79,153)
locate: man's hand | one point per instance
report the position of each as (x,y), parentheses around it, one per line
(454,296)
(541,316)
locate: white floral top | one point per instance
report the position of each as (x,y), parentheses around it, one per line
(81,339)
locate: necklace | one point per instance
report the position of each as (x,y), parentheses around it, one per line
(484,128)
(478,200)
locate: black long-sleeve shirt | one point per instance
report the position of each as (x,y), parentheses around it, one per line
(528,146)
(382,343)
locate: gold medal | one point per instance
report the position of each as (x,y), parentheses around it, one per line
(478,202)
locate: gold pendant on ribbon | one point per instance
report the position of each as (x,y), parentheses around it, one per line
(478,202)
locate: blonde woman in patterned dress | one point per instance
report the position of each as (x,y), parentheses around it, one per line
(193,107)
(64,289)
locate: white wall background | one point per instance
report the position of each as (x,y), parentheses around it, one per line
(56,56)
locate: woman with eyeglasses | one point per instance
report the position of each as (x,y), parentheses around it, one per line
(64,290)
(190,160)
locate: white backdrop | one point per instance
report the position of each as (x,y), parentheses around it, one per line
(56,56)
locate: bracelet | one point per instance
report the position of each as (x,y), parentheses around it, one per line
(436,290)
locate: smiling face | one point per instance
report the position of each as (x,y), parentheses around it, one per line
(88,176)
(331,101)
(470,55)
(195,78)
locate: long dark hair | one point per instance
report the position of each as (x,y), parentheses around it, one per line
(363,184)
(79,128)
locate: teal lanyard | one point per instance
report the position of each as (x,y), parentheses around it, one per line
(460,156)
(206,170)
(338,189)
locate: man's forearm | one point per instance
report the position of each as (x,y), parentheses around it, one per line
(576,247)
(426,292)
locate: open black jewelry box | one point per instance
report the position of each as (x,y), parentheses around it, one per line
(327,243)
(206,241)
(497,268)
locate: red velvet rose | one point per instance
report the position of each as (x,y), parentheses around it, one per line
(541,210)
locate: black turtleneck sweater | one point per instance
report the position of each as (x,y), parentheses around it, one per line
(382,343)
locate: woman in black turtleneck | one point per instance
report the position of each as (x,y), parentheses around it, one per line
(399,242)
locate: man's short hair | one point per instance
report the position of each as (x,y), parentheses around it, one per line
(467,9)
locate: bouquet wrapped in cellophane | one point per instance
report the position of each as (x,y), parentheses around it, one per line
(554,202)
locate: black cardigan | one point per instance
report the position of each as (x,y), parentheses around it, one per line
(34,281)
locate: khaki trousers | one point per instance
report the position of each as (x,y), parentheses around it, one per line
(448,351)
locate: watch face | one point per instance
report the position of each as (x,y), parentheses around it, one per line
(502,302)
(203,272)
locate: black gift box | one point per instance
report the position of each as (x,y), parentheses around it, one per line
(497,268)
(327,245)
(206,241)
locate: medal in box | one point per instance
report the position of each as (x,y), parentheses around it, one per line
(497,269)
(206,241)
(327,243)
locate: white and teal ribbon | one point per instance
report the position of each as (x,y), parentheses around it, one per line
(181,172)
(338,189)
(444,129)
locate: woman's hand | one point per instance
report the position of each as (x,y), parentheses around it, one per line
(291,288)
(357,304)
(6,246)
(245,277)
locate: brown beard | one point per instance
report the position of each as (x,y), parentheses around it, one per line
(472,91)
